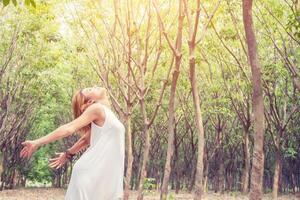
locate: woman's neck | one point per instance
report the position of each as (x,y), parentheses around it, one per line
(103,101)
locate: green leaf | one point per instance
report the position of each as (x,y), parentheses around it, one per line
(5,2)
(14,2)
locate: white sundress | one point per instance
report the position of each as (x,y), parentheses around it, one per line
(98,173)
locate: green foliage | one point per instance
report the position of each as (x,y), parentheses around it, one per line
(149,184)
(27,2)
(171,196)
(40,171)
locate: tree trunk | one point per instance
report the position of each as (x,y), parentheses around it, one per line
(170,150)
(205,186)
(177,169)
(277,172)
(221,176)
(129,159)
(196,99)
(245,177)
(258,105)
(199,125)
(294,186)
(171,126)
(143,174)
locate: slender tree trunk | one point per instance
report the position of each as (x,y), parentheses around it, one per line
(258,105)
(171,124)
(277,171)
(146,151)
(230,178)
(128,112)
(200,130)
(176,165)
(246,170)
(170,150)
(219,161)
(129,158)
(137,168)
(205,187)
(293,182)
(220,182)
(193,28)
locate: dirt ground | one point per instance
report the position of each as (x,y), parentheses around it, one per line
(58,194)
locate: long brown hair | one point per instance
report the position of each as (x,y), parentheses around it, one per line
(78,100)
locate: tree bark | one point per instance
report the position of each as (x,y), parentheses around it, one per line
(277,171)
(171,126)
(129,159)
(200,131)
(196,99)
(245,177)
(258,105)
(146,151)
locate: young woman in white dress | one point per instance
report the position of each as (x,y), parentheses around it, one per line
(98,173)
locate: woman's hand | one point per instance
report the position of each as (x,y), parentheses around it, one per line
(30,146)
(59,161)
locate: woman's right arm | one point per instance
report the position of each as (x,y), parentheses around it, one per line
(82,143)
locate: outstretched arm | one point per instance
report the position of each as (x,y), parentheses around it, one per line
(89,115)
(93,112)
(82,143)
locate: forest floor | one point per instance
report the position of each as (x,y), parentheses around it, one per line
(58,194)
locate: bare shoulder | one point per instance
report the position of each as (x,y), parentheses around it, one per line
(97,109)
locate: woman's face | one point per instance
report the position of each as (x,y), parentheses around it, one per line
(95,92)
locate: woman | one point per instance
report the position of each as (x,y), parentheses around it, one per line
(98,174)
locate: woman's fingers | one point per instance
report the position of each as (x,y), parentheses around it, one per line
(28,149)
(53,164)
(52,159)
(56,163)
(24,153)
(21,153)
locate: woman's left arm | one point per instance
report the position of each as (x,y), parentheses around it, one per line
(89,115)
